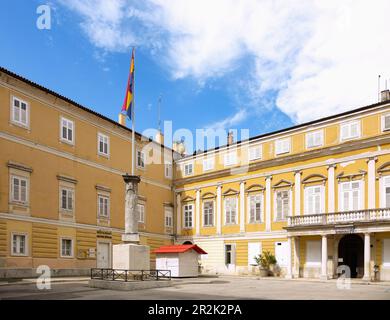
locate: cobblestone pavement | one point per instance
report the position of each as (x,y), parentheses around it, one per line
(222,287)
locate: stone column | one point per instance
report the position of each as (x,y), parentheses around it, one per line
(268,197)
(197,213)
(289,259)
(335,255)
(296,257)
(324,258)
(331,188)
(178,213)
(131,218)
(367,256)
(371,182)
(297,190)
(219,209)
(242,206)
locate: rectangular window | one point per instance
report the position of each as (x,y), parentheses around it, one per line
(208,164)
(188,209)
(140,159)
(67,130)
(168,217)
(254,153)
(386,122)
(20,111)
(313,253)
(282,146)
(103,144)
(315,139)
(230,159)
(141,213)
(208,213)
(230,210)
(282,204)
(229,254)
(188,169)
(350,196)
(314,200)
(255,208)
(19,244)
(19,190)
(168,170)
(67,199)
(66,248)
(103,206)
(350,130)
(385,196)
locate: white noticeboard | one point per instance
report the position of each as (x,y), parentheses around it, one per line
(254,249)
(281,253)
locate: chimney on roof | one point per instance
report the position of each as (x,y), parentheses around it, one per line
(179,147)
(159,137)
(230,138)
(385,95)
(122,119)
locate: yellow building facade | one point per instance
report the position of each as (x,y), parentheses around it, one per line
(316,195)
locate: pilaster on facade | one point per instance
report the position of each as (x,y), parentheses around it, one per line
(219,209)
(324,257)
(297,191)
(268,195)
(371,182)
(198,219)
(331,188)
(242,206)
(289,274)
(367,256)
(178,213)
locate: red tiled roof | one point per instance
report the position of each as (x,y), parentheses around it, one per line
(179,249)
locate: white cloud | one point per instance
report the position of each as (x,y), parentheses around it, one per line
(317,57)
(229,122)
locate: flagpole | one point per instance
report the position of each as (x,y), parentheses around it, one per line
(133,124)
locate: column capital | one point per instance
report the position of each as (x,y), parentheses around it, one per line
(242,182)
(268,177)
(219,185)
(372,158)
(198,190)
(333,165)
(297,172)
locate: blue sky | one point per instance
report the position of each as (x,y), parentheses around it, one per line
(269,66)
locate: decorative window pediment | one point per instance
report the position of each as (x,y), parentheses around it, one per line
(314,178)
(384,168)
(208,195)
(230,192)
(353,176)
(188,199)
(255,188)
(283,184)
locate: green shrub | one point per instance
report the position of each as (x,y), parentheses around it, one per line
(265,259)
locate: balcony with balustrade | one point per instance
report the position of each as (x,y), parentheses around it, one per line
(367,216)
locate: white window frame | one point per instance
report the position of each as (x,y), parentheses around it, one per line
(249,198)
(383,128)
(208,163)
(232,254)
(73,191)
(168,169)
(350,123)
(322,199)
(71,248)
(168,215)
(225,211)
(230,158)
(26,244)
(187,172)
(142,154)
(102,137)
(19,122)
(107,198)
(20,178)
(279,143)
(289,204)
(258,155)
(317,244)
(185,211)
(204,214)
(68,121)
(341,198)
(141,213)
(384,182)
(312,134)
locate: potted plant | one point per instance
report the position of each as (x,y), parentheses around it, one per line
(265,261)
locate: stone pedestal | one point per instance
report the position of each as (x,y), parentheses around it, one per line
(130,256)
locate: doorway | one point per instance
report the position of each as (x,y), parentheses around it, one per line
(103,255)
(351,253)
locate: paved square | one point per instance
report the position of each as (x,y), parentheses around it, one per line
(223,287)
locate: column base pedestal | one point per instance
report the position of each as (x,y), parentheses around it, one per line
(366,278)
(130,256)
(322,277)
(130,238)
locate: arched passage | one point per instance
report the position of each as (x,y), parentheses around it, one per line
(351,253)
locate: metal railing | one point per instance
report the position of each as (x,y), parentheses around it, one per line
(367,215)
(129,275)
